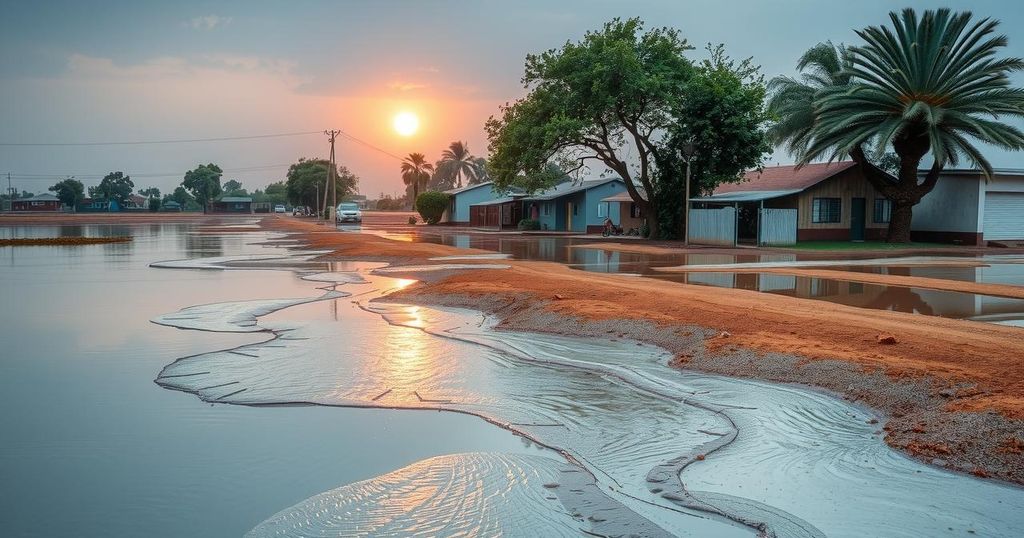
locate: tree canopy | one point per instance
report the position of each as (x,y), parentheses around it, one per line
(69,191)
(308,177)
(203,183)
(114,186)
(618,100)
(929,85)
(416,173)
(151,192)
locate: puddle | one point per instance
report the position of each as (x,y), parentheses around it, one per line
(912,300)
(696,455)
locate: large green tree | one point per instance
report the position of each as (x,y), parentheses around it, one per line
(233,186)
(933,86)
(203,183)
(114,186)
(456,163)
(615,99)
(69,191)
(309,177)
(416,172)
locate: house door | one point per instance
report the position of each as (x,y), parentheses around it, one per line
(857,219)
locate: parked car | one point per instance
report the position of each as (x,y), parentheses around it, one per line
(279,208)
(349,212)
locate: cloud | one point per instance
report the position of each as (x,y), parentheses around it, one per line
(406,86)
(208,22)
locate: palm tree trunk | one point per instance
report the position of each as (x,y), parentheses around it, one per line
(899,222)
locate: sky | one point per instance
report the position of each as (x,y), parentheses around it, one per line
(112,71)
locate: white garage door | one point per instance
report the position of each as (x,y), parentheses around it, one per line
(1004,215)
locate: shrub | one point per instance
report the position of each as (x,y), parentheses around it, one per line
(529,224)
(412,220)
(154,204)
(431,206)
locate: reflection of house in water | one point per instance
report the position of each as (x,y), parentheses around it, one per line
(597,260)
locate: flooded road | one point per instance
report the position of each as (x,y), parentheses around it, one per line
(92,447)
(334,428)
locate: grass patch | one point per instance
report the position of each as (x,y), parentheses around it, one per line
(47,241)
(865,245)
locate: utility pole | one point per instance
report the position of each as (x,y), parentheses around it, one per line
(10,192)
(330,175)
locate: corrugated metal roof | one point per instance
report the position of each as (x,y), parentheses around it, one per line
(564,189)
(232,199)
(503,200)
(468,188)
(751,196)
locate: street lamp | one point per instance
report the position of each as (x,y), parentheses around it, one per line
(686,153)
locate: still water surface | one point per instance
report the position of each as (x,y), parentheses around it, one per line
(90,446)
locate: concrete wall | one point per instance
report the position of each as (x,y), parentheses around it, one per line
(593,199)
(955,205)
(458,210)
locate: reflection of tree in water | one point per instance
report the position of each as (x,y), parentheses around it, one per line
(901,300)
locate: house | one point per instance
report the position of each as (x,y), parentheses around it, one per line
(97,205)
(623,211)
(573,207)
(232,204)
(780,205)
(462,198)
(965,208)
(170,206)
(506,211)
(39,202)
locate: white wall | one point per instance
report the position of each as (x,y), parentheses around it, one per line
(955,205)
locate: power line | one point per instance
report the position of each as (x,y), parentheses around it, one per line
(173,141)
(36,176)
(369,145)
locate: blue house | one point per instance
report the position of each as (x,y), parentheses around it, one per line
(573,207)
(464,197)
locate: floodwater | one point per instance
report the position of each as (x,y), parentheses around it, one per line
(568,250)
(298,406)
(90,446)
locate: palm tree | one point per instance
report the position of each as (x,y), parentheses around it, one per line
(481,175)
(823,67)
(928,85)
(416,172)
(456,162)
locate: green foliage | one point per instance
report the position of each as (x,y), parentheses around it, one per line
(431,205)
(416,173)
(309,177)
(154,204)
(529,224)
(151,192)
(231,186)
(203,183)
(275,193)
(722,114)
(930,84)
(113,186)
(623,97)
(69,191)
(456,163)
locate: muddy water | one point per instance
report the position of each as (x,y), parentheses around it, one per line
(637,447)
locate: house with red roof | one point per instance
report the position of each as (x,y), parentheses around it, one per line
(824,201)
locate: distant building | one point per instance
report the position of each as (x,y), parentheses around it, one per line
(232,204)
(97,205)
(573,207)
(40,202)
(171,206)
(358,199)
(462,198)
(967,208)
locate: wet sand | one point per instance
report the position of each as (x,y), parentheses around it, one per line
(953,390)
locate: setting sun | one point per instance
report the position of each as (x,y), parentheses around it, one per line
(406,123)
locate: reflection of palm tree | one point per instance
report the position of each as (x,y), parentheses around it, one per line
(415,173)
(456,162)
(901,300)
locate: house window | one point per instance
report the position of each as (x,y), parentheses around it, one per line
(634,210)
(546,207)
(883,210)
(575,210)
(602,209)
(825,210)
